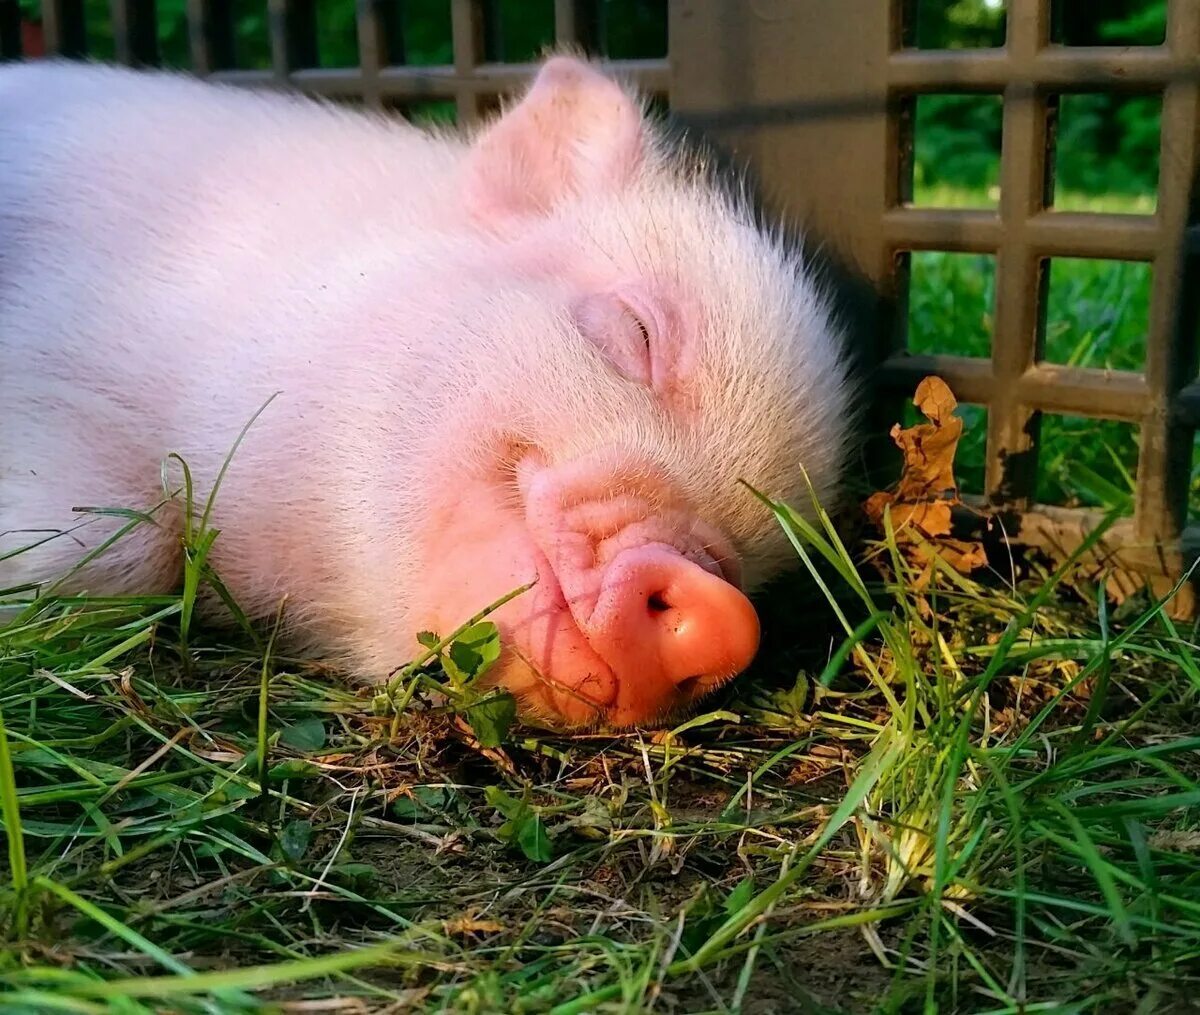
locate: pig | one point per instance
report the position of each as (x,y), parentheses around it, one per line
(552,349)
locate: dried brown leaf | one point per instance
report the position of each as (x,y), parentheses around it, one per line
(929,448)
(921,505)
(469,924)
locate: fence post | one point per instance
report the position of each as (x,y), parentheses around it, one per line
(800,91)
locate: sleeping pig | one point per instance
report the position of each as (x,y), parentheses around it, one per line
(546,351)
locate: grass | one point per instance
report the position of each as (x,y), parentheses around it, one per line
(975,798)
(983,796)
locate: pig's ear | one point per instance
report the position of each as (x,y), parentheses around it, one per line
(575,131)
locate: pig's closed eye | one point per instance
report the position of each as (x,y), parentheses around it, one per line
(624,330)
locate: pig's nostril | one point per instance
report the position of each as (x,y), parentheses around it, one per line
(657,603)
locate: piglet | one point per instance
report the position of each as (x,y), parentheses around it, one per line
(543,351)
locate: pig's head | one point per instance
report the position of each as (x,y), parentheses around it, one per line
(647,344)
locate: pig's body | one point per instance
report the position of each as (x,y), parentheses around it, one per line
(464,402)
(170,257)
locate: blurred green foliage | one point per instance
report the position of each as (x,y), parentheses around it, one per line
(956,144)
(958,24)
(1107,144)
(950,303)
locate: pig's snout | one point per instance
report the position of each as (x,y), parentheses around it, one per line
(639,612)
(670,628)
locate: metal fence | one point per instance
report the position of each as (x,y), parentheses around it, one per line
(818,95)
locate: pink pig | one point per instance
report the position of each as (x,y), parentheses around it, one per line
(548,351)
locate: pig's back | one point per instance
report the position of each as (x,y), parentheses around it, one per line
(151,225)
(109,153)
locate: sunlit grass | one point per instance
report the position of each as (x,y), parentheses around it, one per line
(1120,204)
(948,195)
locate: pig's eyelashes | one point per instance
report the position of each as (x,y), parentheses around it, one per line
(641,345)
(645,332)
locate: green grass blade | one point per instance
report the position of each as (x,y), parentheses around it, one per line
(10,810)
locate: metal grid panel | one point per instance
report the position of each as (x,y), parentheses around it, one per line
(1016,388)
(823,109)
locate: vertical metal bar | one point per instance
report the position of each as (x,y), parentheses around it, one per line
(900,147)
(64,27)
(733,65)
(277,28)
(135,32)
(211,35)
(1011,455)
(372,49)
(466,22)
(1165,452)
(577,23)
(293,28)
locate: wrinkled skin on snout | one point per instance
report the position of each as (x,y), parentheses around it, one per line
(549,351)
